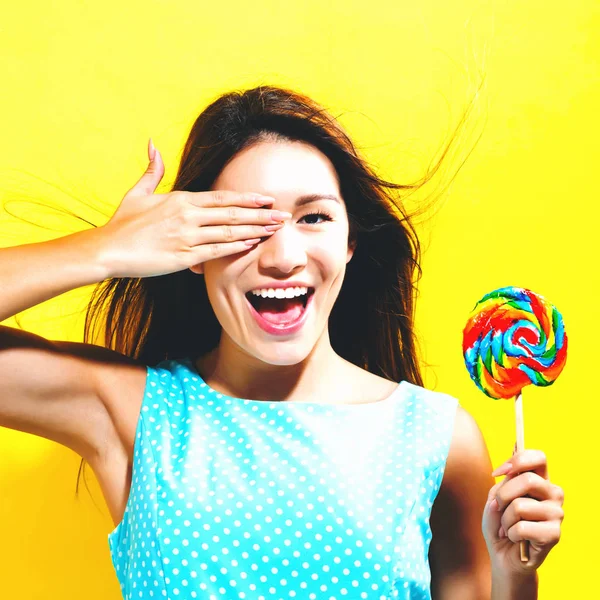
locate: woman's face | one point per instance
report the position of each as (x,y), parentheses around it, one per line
(310,251)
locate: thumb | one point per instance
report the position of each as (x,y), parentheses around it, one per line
(149,181)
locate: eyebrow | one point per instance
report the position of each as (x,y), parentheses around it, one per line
(302,200)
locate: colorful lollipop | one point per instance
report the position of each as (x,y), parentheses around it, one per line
(514,338)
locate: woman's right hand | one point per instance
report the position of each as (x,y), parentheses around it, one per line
(155,234)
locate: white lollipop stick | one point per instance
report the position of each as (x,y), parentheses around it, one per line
(523,544)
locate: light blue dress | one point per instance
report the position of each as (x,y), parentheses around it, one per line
(258,500)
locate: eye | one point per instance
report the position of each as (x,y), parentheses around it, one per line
(312,218)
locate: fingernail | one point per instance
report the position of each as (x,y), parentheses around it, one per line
(274,227)
(252,242)
(262,200)
(502,470)
(501,533)
(152,152)
(494,505)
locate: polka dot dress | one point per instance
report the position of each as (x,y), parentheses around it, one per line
(257,500)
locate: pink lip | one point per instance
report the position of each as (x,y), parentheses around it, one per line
(286,329)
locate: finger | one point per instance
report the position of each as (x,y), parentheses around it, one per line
(526,460)
(206,252)
(234,215)
(545,533)
(557,494)
(231,233)
(529,509)
(493,490)
(530,460)
(221,198)
(526,484)
(151,149)
(149,181)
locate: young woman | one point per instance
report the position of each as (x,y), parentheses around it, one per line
(257,420)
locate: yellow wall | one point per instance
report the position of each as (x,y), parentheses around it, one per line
(85,84)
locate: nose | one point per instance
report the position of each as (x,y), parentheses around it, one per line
(283,251)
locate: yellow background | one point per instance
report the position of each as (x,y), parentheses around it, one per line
(85,84)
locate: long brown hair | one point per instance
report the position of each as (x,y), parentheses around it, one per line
(371,324)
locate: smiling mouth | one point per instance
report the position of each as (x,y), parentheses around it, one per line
(280,311)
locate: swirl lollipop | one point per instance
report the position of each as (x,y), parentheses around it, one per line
(514,338)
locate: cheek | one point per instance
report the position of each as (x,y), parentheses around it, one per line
(219,273)
(331,253)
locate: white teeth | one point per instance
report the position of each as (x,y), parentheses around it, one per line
(290,292)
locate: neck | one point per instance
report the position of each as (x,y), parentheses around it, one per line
(233,372)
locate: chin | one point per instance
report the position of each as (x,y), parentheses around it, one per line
(282,355)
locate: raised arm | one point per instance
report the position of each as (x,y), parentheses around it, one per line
(54,389)
(70,392)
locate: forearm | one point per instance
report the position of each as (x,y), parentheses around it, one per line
(523,588)
(33,273)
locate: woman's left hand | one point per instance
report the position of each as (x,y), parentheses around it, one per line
(524,506)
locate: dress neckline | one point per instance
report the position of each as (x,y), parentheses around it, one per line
(189,363)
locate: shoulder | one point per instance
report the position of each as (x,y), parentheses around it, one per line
(363,384)
(432,399)
(437,409)
(468,453)
(130,388)
(171,377)
(467,479)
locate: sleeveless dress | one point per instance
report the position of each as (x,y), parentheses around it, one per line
(259,500)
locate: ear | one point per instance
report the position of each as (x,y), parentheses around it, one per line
(351,249)
(198,269)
